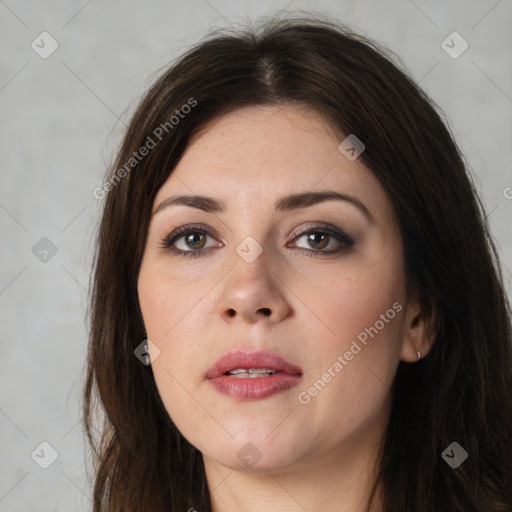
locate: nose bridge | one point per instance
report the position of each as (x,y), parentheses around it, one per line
(251,288)
(250,271)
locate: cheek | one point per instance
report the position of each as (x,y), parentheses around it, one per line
(172,309)
(354,364)
(346,305)
(354,339)
(169,313)
(166,301)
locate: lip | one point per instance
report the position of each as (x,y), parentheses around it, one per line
(253,388)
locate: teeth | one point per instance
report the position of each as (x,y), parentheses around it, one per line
(251,373)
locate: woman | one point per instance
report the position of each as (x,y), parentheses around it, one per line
(297,304)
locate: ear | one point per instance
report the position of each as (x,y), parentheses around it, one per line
(419,332)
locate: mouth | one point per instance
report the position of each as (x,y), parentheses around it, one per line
(242,364)
(253,375)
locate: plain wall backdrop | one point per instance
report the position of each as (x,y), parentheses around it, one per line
(62,117)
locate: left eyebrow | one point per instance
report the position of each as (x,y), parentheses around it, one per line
(285,204)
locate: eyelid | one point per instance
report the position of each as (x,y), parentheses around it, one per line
(331,230)
(180,232)
(320,226)
(169,240)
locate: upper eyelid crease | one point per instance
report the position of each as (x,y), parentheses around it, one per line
(332,231)
(285,204)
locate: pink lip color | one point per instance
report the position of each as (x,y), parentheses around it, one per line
(253,388)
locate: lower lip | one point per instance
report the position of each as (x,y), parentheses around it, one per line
(255,388)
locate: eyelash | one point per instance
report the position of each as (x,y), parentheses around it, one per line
(169,240)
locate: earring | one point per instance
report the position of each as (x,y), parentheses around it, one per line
(419,355)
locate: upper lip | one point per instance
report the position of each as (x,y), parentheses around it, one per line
(246,359)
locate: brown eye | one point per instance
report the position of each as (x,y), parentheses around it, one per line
(189,241)
(317,240)
(195,240)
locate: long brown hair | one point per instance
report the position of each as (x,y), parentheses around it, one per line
(460,392)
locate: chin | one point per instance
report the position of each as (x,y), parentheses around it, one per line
(255,455)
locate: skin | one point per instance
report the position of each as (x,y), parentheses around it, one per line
(320,455)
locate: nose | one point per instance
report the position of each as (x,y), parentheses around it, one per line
(252,292)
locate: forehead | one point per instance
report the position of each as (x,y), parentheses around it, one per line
(264,152)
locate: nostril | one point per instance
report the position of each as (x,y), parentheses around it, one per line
(231,312)
(266,311)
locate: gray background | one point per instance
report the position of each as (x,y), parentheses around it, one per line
(61,120)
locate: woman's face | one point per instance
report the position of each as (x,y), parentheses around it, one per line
(267,270)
